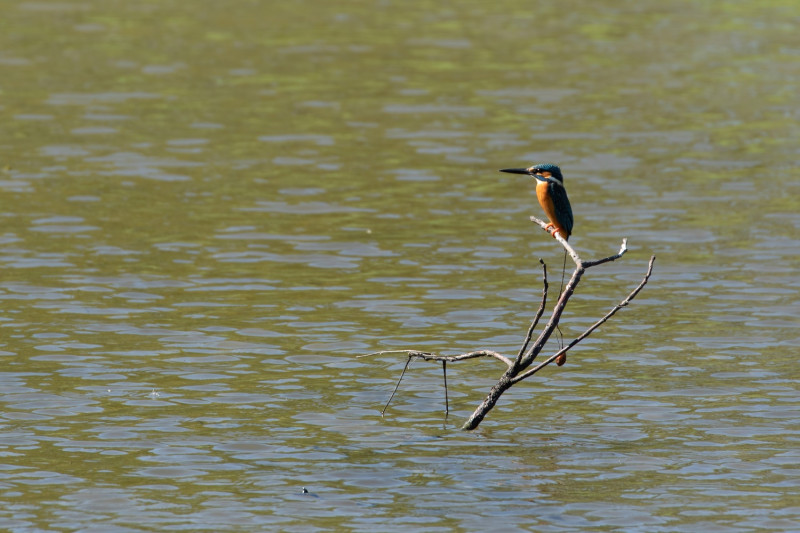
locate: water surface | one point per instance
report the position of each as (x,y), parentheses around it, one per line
(209,210)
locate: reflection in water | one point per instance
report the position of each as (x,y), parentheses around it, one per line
(208,213)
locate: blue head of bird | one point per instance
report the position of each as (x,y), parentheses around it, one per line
(544,170)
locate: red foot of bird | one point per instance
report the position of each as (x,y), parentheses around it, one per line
(555,230)
(561,359)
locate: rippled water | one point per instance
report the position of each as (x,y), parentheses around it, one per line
(209,209)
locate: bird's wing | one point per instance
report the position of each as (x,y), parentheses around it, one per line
(561,203)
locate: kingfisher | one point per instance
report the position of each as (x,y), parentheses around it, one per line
(552,196)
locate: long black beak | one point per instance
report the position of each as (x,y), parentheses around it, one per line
(516,171)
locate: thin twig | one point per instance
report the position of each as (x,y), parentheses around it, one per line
(622,250)
(403,373)
(462,357)
(446,399)
(428,356)
(409,352)
(539,313)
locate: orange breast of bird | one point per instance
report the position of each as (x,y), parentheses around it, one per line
(543,195)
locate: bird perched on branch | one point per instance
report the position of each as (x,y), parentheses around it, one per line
(552,197)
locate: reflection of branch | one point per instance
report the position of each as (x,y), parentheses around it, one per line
(516,369)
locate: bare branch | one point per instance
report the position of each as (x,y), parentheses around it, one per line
(409,352)
(462,357)
(536,318)
(428,356)
(593,327)
(446,398)
(574,255)
(570,250)
(622,250)
(518,368)
(403,373)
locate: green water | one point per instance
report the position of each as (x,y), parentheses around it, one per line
(210,208)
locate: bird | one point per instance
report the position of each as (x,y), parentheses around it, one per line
(552,196)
